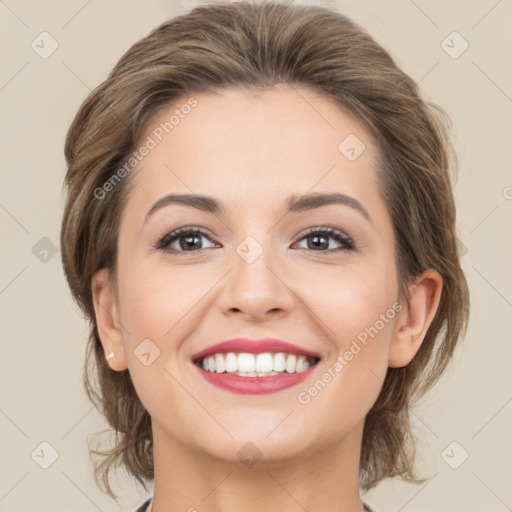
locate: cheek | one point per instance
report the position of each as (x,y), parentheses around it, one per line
(352,300)
(357,320)
(358,313)
(157,304)
(154,299)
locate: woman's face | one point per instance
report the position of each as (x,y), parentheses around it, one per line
(255,272)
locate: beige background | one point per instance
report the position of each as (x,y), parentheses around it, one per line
(43,333)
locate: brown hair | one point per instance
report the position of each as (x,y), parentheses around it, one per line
(257,46)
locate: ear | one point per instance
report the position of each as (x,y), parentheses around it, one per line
(106,309)
(415,318)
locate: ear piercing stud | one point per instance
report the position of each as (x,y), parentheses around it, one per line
(110,356)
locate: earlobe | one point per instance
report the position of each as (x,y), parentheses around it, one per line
(415,318)
(107,319)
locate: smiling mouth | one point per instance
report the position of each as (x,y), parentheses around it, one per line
(266,364)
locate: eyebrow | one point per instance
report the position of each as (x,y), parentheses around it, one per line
(294,203)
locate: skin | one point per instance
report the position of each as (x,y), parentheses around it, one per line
(251,151)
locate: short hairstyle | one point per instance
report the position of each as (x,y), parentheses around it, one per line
(254,47)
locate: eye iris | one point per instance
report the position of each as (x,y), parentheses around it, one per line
(318,237)
(188,245)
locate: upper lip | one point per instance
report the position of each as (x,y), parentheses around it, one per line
(253,347)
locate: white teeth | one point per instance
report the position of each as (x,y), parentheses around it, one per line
(256,365)
(219,363)
(264,362)
(246,362)
(301,364)
(279,362)
(291,363)
(231,362)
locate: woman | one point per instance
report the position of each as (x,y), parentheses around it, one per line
(261,228)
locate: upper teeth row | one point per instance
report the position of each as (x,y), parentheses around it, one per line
(265,362)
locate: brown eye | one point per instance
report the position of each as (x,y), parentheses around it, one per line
(318,240)
(189,240)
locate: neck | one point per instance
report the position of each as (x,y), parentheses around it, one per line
(319,479)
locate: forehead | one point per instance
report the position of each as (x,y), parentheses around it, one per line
(252,147)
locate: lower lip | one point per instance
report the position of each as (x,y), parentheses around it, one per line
(255,385)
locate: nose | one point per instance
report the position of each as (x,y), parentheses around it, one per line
(257,290)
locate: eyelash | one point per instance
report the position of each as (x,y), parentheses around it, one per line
(164,242)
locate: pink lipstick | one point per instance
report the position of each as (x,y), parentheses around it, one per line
(248,366)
